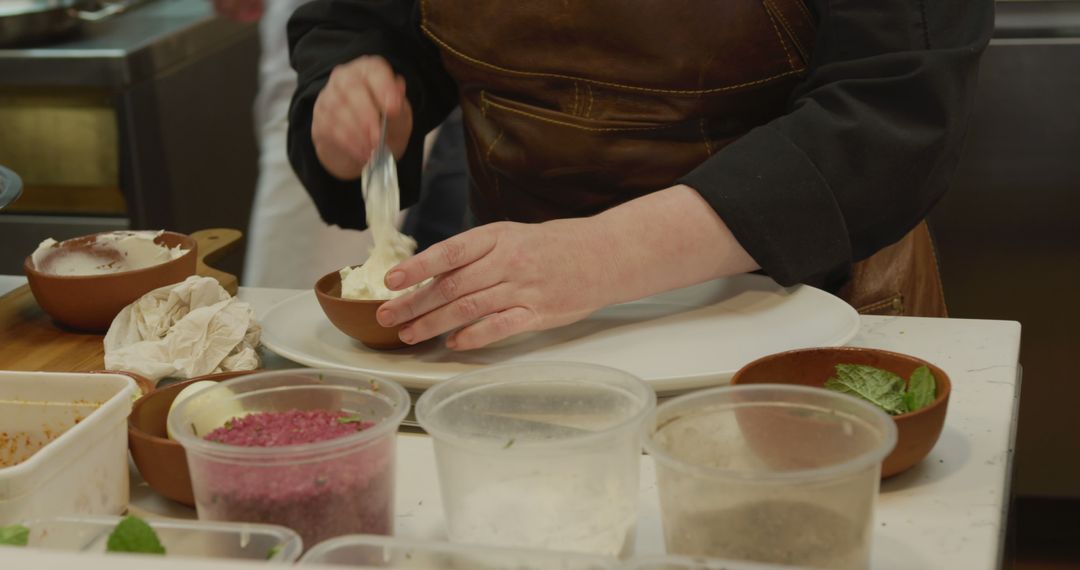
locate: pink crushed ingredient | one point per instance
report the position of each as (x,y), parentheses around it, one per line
(351,492)
(292,427)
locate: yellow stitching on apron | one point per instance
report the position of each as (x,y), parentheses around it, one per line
(895,302)
(572,125)
(791,31)
(779,37)
(801,5)
(486,102)
(588,112)
(487,161)
(937,270)
(723,89)
(476,144)
(491,147)
(704,138)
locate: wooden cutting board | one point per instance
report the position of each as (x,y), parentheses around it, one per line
(30,340)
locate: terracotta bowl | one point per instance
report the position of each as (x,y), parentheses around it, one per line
(90,302)
(353,317)
(918,431)
(160,460)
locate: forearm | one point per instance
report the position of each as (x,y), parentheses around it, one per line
(662,241)
(324,35)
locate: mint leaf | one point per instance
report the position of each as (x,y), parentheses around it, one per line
(879,387)
(838,386)
(14,535)
(350,420)
(922,389)
(274,551)
(133,535)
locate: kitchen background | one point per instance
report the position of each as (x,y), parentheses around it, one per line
(143,120)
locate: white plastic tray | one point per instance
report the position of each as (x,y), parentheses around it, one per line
(69,432)
(190,539)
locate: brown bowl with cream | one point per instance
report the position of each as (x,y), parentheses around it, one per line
(355,317)
(84,282)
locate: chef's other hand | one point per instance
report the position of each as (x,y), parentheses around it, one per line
(348,115)
(498,280)
(239,10)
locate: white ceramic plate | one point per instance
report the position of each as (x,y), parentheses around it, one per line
(681,340)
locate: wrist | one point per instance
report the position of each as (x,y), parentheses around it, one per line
(593,251)
(666,240)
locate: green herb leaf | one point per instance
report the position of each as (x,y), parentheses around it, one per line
(133,535)
(509,443)
(879,387)
(274,550)
(350,420)
(14,535)
(922,389)
(838,386)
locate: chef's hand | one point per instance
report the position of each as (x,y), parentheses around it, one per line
(498,280)
(347,115)
(240,10)
(502,279)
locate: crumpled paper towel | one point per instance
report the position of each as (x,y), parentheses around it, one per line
(183,330)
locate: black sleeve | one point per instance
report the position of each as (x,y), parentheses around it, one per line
(869,142)
(326,33)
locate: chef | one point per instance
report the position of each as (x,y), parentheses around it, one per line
(288,244)
(620,149)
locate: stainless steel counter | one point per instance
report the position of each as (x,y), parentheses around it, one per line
(143,120)
(122,50)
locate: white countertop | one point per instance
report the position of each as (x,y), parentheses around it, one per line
(9,282)
(948,512)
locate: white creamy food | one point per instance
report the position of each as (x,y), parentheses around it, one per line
(112,252)
(382,201)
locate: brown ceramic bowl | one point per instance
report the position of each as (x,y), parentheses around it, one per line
(90,302)
(354,317)
(160,460)
(918,431)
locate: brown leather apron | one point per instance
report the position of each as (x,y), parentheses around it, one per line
(572,107)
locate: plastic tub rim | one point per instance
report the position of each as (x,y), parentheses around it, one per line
(398,397)
(648,406)
(860,462)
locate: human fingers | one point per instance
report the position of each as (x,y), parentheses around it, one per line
(372,89)
(349,84)
(340,143)
(458,313)
(387,89)
(493,328)
(445,256)
(442,290)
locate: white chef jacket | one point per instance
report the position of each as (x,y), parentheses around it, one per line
(288,244)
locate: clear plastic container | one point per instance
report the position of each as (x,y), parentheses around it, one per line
(772,473)
(691,563)
(63,444)
(321,490)
(369,552)
(192,539)
(540,455)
